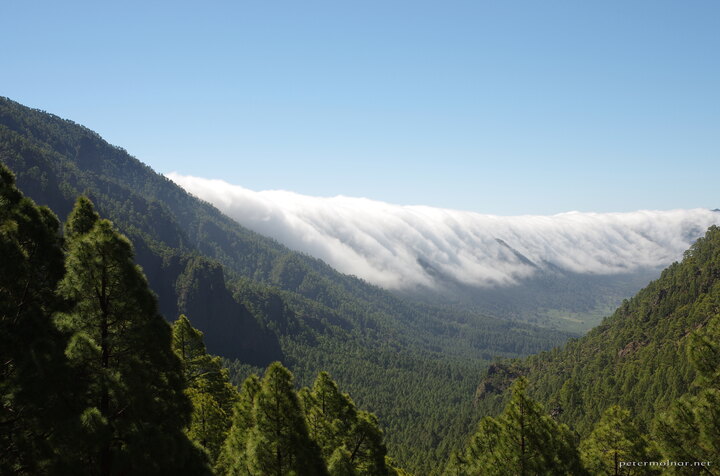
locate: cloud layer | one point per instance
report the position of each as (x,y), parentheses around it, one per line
(400,247)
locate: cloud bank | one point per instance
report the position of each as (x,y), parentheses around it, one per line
(401,247)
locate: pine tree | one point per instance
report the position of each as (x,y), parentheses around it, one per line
(480,452)
(329,414)
(335,424)
(340,464)
(367,450)
(82,219)
(279,444)
(211,393)
(35,398)
(134,405)
(233,458)
(690,430)
(615,439)
(522,441)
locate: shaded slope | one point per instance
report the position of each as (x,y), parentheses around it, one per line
(54,160)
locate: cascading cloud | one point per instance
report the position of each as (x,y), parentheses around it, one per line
(401,247)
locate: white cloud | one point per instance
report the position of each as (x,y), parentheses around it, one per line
(385,244)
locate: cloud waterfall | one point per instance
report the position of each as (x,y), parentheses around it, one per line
(401,247)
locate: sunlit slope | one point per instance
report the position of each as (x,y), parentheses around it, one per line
(637,358)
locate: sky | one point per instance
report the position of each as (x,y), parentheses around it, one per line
(499,107)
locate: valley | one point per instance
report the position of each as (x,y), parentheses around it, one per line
(413,364)
(428,363)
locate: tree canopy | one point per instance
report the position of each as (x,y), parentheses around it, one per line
(133,408)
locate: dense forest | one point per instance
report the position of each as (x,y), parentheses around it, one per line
(95,381)
(643,386)
(105,319)
(414,365)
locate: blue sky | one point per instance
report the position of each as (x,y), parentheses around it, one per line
(500,107)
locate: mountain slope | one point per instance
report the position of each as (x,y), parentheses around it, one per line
(636,359)
(257,301)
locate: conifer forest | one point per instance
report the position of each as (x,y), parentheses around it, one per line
(144,332)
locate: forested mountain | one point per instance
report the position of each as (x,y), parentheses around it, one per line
(86,352)
(94,380)
(567,270)
(89,381)
(652,369)
(256,301)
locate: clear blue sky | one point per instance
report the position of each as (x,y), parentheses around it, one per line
(501,107)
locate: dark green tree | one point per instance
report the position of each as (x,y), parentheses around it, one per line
(616,439)
(211,393)
(233,459)
(279,444)
(134,408)
(335,424)
(690,429)
(209,422)
(330,415)
(522,441)
(340,464)
(366,447)
(35,399)
(82,219)
(479,451)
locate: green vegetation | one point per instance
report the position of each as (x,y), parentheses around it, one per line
(256,302)
(318,431)
(208,386)
(522,440)
(278,442)
(683,440)
(92,377)
(644,385)
(690,429)
(578,322)
(348,438)
(31,346)
(95,349)
(613,440)
(133,395)
(132,406)
(637,358)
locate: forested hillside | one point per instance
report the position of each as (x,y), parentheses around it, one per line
(647,378)
(256,301)
(94,377)
(95,381)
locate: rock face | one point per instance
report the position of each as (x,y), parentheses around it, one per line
(230,329)
(499,377)
(630,349)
